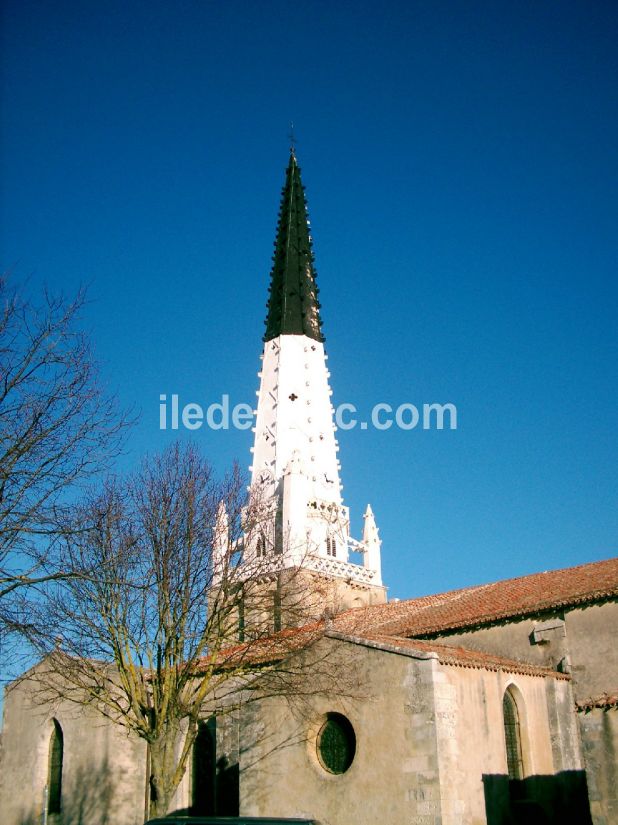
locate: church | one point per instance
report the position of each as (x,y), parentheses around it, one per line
(489,705)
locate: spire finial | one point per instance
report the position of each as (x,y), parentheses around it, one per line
(292,137)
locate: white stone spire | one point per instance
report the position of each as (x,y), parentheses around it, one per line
(295,469)
(295,451)
(294,416)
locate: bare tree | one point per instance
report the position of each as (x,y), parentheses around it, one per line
(152,642)
(57,428)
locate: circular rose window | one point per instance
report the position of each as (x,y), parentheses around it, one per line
(336,743)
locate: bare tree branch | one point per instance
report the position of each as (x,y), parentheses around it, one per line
(152,641)
(57,428)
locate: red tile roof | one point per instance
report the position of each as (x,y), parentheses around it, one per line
(395,625)
(265,650)
(290,641)
(488,603)
(452,655)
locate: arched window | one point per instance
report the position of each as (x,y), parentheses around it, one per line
(261,546)
(54,770)
(512,736)
(203,770)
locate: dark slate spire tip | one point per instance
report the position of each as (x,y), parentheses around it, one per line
(293,308)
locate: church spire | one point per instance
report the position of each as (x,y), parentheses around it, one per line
(293,307)
(295,470)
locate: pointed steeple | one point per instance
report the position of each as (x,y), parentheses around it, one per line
(371,545)
(293,307)
(295,470)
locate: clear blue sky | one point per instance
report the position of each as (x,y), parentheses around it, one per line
(462,176)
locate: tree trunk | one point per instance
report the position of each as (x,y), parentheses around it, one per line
(164,776)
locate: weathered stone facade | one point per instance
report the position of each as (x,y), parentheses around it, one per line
(599,731)
(430,748)
(103,770)
(581,641)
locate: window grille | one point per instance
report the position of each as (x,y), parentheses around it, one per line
(336,744)
(331,546)
(512,736)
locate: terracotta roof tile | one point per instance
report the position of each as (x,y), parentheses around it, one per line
(454,655)
(265,650)
(487,603)
(395,625)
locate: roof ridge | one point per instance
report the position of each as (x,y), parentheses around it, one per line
(459,591)
(478,605)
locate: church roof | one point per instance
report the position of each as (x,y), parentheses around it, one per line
(450,654)
(487,603)
(266,649)
(289,641)
(293,307)
(395,626)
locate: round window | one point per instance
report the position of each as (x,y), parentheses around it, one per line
(336,743)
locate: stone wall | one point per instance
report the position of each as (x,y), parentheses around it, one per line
(583,641)
(430,746)
(515,640)
(430,749)
(591,634)
(475,787)
(600,743)
(394,776)
(103,776)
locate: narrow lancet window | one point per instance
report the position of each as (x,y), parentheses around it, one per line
(512,736)
(54,772)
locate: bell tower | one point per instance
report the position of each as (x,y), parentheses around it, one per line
(295,469)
